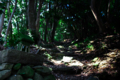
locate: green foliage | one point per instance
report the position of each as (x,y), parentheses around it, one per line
(48,55)
(19,37)
(96,64)
(87,39)
(75,20)
(17,66)
(25,39)
(90,46)
(95,59)
(103,46)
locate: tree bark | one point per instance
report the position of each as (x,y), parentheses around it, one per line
(108,13)
(45,35)
(47,22)
(8,27)
(55,23)
(95,11)
(38,16)
(31,16)
(1,22)
(26,15)
(53,30)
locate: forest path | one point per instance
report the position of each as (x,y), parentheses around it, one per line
(99,57)
(72,63)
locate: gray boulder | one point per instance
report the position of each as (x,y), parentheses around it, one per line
(7,66)
(92,78)
(29,79)
(15,56)
(38,77)
(26,71)
(4,74)
(16,77)
(42,70)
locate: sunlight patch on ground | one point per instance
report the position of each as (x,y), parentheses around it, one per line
(68,60)
(101,64)
(76,63)
(112,54)
(94,63)
(109,36)
(56,62)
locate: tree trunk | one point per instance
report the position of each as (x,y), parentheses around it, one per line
(1,22)
(95,11)
(31,16)
(26,15)
(108,13)
(38,15)
(9,23)
(53,30)
(55,23)
(45,35)
(47,23)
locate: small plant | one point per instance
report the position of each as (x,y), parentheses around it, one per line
(87,39)
(91,47)
(48,55)
(103,45)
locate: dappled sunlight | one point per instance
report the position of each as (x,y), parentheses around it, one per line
(94,58)
(67,61)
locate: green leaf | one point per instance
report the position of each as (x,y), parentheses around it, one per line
(17,66)
(26,40)
(95,59)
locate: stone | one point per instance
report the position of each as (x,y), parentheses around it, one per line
(4,74)
(37,77)
(17,66)
(16,77)
(29,79)
(26,71)
(63,69)
(7,66)
(0,57)
(92,78)
(15,56)
(50,77)
(42,70)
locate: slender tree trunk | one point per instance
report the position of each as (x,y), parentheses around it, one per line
(107,23)
(31,16)
(38,15)
(46,31)
(116,6)
(26,15)
(95,11)
(1,22)
(35,9)
(108,12)
(9,23)
(9,14)
(47,23)
(53,30)
(55,23)
(17,26)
